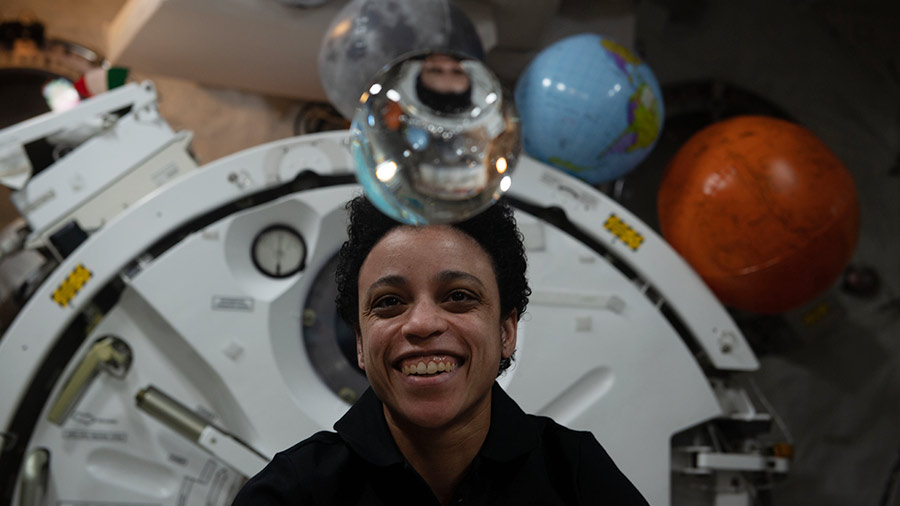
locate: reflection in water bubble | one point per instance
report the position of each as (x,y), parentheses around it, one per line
(435,139)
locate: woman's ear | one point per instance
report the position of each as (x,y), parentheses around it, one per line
(508,334)
(359,350)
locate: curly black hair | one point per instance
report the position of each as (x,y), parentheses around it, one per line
(494,230)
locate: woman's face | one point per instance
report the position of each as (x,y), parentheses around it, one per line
(444,74)
(430,335)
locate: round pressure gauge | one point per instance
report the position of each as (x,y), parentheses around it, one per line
(278,251)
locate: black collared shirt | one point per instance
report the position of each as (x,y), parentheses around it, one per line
(525,460)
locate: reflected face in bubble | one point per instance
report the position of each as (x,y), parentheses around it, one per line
(443,85)
(435,139)
(444,74)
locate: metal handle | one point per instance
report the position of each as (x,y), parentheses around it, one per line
(109,354)
(171,413)
(35,473)
(176,416)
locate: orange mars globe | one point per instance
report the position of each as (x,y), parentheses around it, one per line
(765,213)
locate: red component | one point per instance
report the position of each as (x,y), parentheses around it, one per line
(393,116)
(81,87)
(765,213)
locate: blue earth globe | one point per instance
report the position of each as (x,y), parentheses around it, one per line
(590,107)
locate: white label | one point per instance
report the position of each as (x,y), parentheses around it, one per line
(221,303)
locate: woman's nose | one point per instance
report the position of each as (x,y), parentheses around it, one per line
(424,319)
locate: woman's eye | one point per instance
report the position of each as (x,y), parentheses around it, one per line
(385,302)
(461,296)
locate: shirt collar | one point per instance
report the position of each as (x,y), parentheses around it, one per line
(365,431)
(512,433)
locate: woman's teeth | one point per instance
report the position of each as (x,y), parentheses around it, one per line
(430,367)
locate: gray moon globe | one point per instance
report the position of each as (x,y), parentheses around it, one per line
(366,35)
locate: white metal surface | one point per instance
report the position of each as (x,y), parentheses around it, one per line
(732,462)
(92,174)
(39,323)
(15,171)
(655,261)
(204,325)
(231,452)
(170,161)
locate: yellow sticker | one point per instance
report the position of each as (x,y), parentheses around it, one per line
(71,285)
(626,234)
(815,315)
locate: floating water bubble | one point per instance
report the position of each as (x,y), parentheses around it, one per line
(435,138)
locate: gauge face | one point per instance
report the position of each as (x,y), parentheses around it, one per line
(278,251)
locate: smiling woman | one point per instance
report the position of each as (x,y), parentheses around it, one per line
(418,308)
(435,312)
